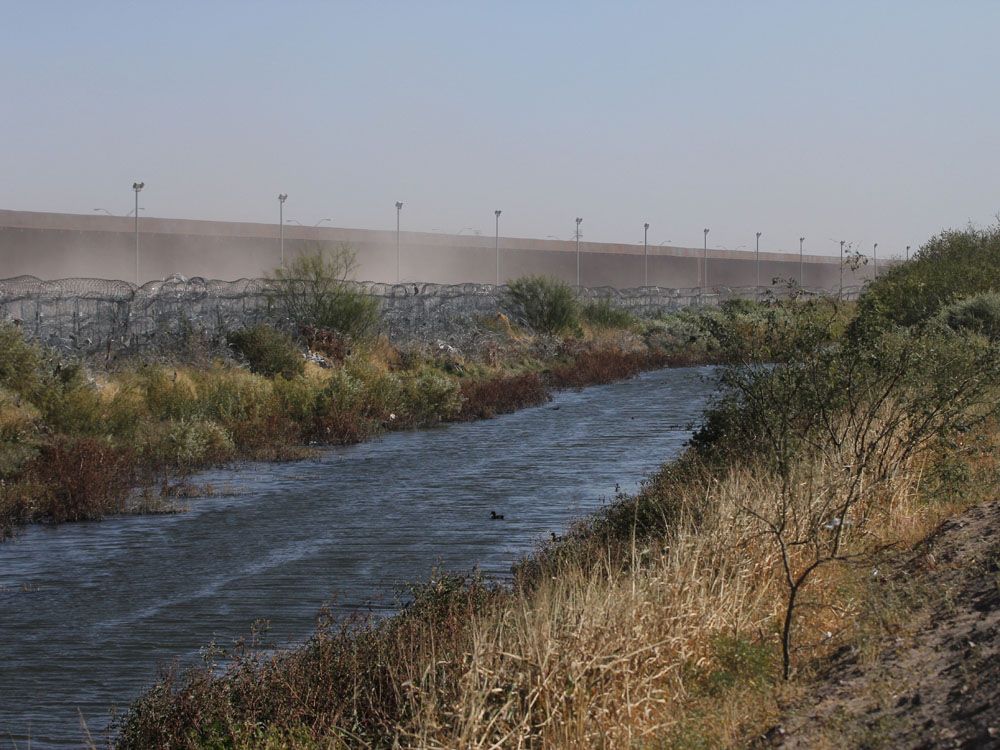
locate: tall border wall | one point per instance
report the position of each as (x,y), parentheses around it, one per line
(54,246)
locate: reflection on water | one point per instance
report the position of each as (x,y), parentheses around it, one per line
(89,611)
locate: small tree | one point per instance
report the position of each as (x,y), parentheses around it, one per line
(864,407)
(315,290)
(542,303)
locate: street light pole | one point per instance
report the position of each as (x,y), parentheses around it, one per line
(282,197)
(802,277)
(578,220)
(137,186)
(497,242)
(907,252)
(757,258)
(399,207)
(645,254)
(841,269)
(875,256)
(704,260)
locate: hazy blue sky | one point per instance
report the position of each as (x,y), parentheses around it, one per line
(867,121)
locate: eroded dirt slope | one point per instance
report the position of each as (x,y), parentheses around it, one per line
(936,683)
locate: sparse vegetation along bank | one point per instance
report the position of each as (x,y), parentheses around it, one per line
(684,616)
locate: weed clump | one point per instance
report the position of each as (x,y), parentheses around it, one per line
(604,314)
(267,351)
(485,398)
(544,304)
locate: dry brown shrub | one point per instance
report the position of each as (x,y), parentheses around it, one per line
(502,394)
(79,478)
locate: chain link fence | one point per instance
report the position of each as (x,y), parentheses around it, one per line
(98,316)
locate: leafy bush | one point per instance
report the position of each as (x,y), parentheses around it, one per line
(951,266)
(542,303)
(297,398)
(428,397)
(20,361)
(604,314)
(19,434)
(980,314)
(65,399)
(191,444)
(269,352)
(314,291)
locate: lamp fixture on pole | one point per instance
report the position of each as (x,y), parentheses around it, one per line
(645,254)
(137,186)
(399,207)
(704,259)
(497,242)
(282,197)
(578,220)
(757,260)
(841,295)
(802,278)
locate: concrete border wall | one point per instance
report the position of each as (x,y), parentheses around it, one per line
(54,246)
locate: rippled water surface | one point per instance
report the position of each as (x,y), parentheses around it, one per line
(88,612)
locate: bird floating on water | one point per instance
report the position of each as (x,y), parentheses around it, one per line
(494,516)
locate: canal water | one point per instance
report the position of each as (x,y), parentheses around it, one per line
(90,612)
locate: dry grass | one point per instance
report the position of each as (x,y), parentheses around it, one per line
(594,655)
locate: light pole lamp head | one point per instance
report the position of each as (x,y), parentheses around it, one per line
(646,225)
(282,197)
(497,213)
(399,205)
(802,239)
(705,231)
(759,234)
(137,186)
(578,219)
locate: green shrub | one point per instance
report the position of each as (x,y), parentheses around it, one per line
(428,397)
(19,434)
(314,291)
(190,444)
(20,361)
(980,314)
(229,395)
(267,351)
(297,398)
(167,394)
(951,266)
(604,314)
(737,662)
(542,303)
